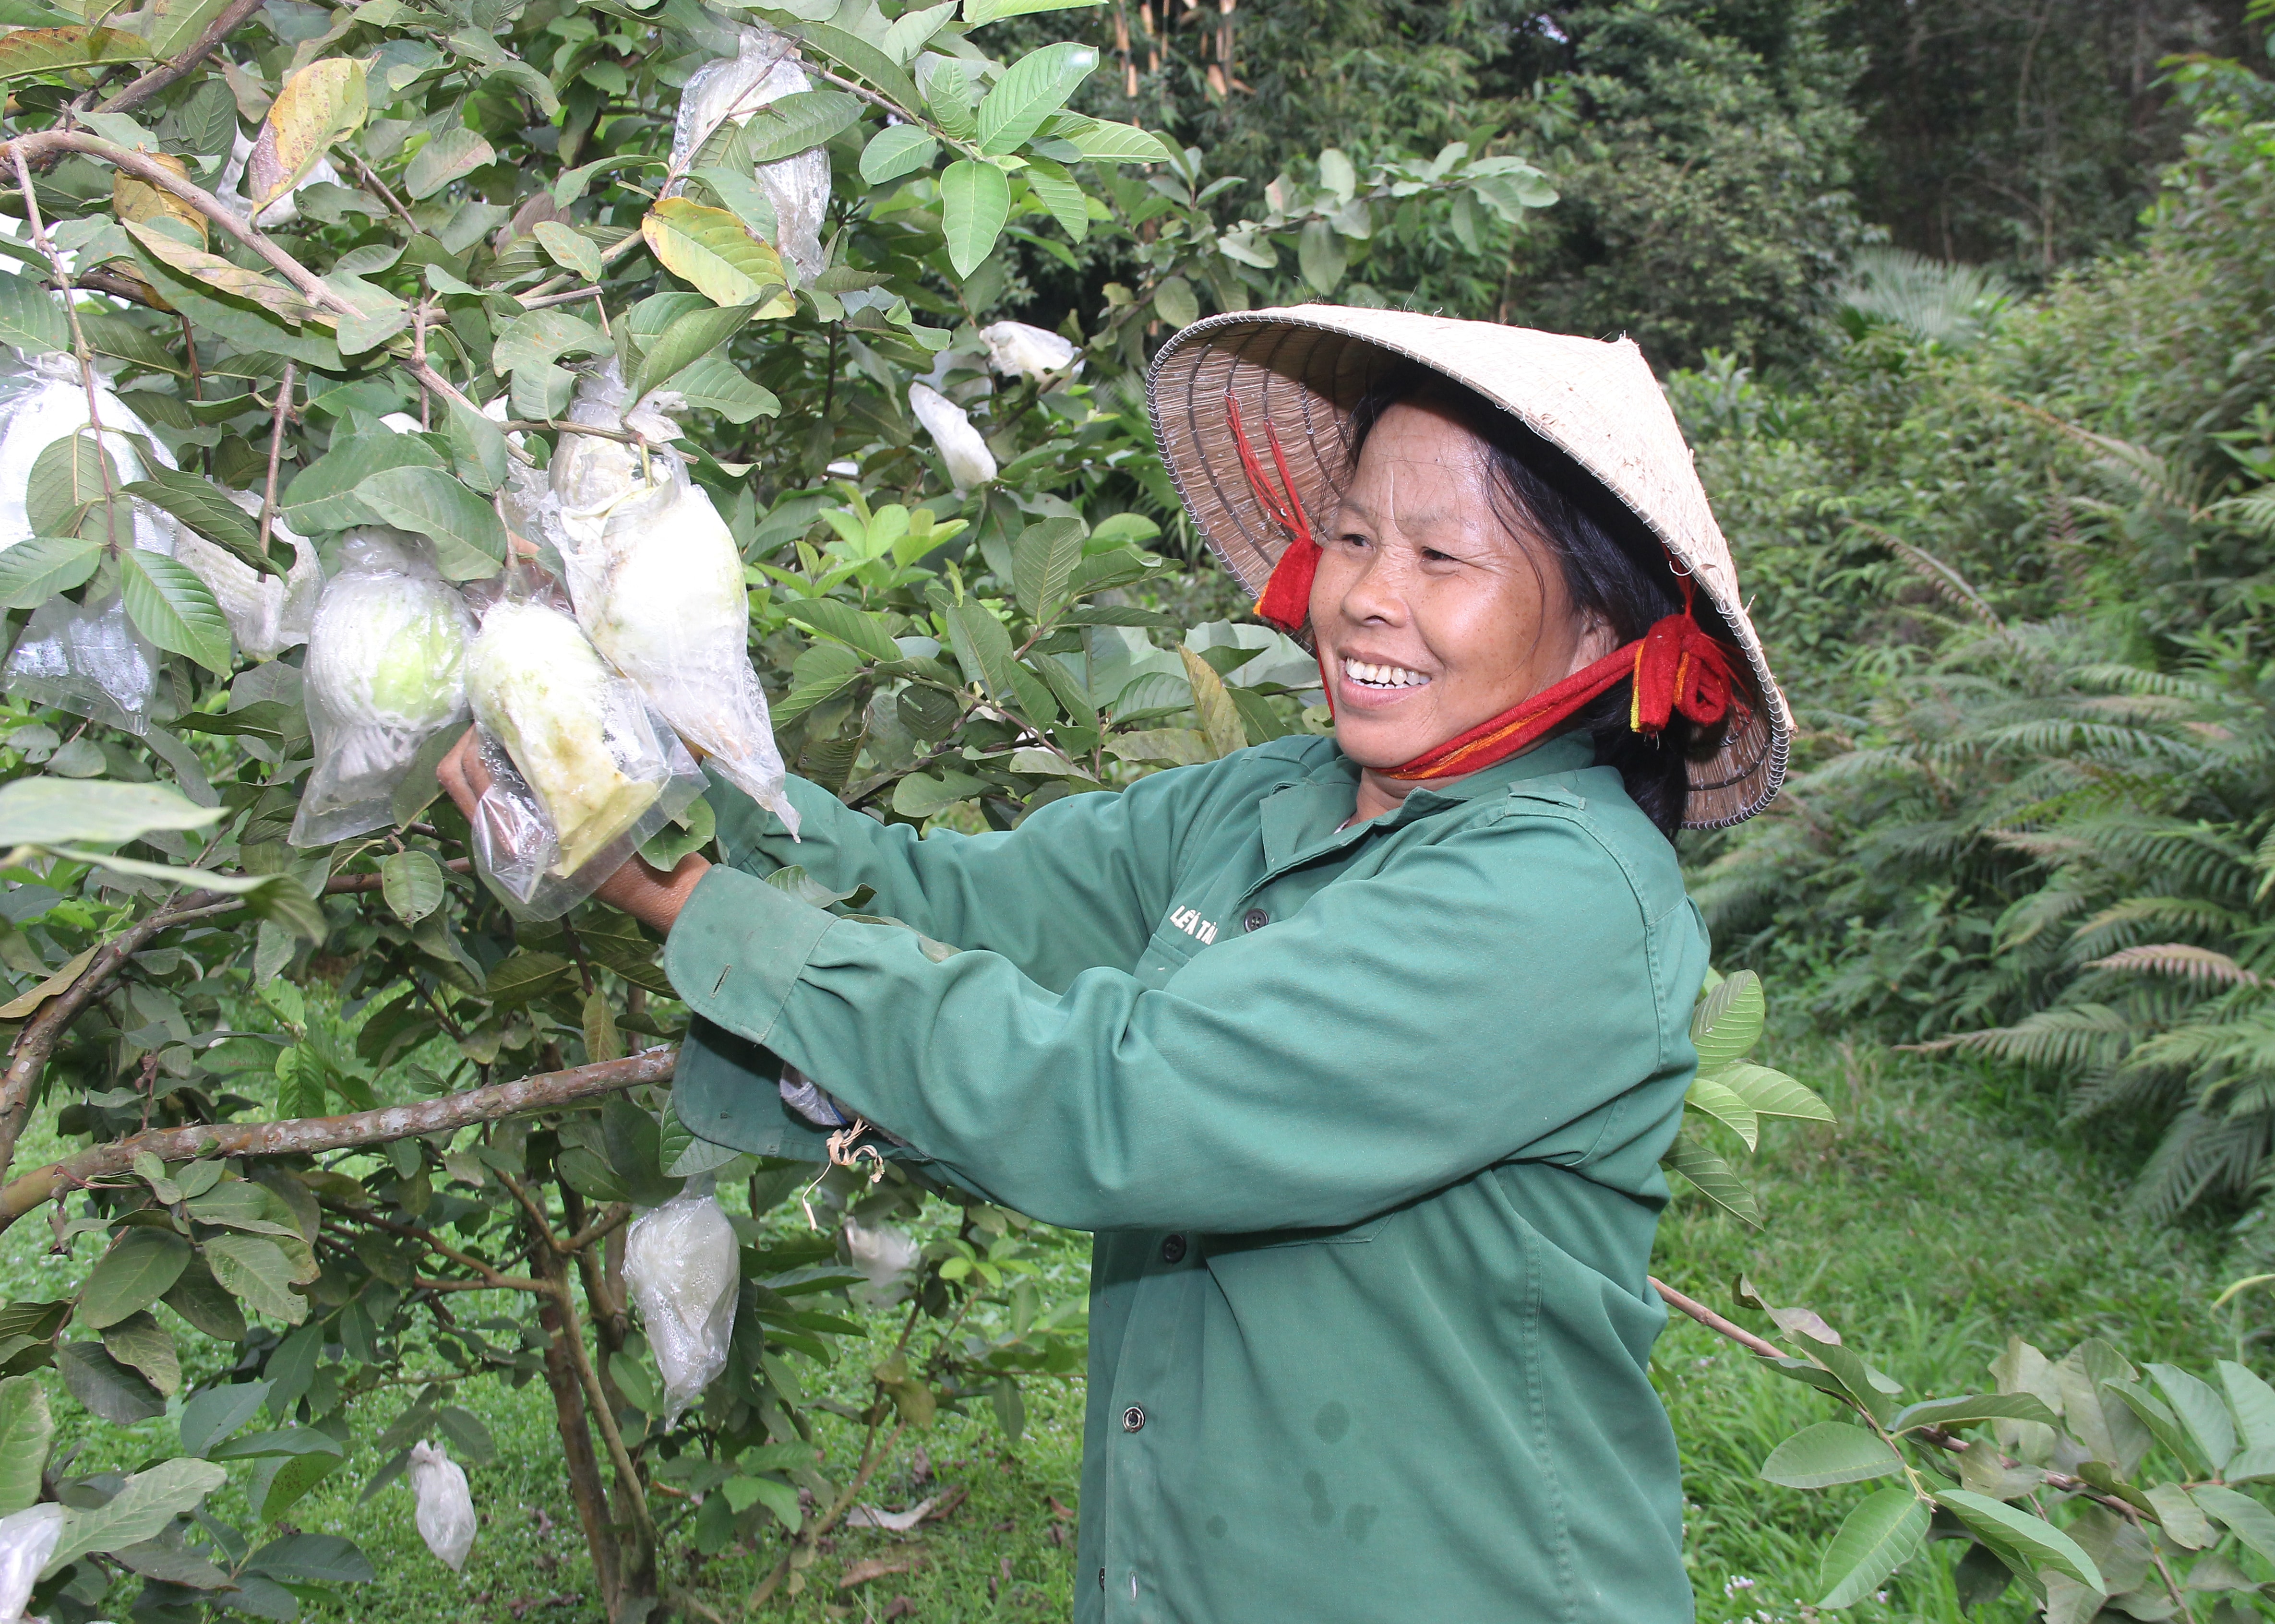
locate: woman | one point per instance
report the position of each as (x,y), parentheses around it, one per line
(1356,1054)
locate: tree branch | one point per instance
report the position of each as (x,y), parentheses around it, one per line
(301,1135)
(158,78)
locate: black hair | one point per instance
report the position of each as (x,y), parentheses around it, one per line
(1614,569)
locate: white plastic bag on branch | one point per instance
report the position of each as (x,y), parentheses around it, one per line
(886,1255)
(267,614)
(582,771)
(682,1263)
(446,1505)
(386,671)
(764,70)
(657,582)
(28,1538)
(40,405)
(260,158)
(970,462)
(1018,351)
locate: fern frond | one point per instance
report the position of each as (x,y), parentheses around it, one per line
(2180,958)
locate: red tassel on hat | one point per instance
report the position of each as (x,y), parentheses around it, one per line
(1287,600)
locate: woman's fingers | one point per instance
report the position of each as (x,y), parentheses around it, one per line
(650,894)
(462,774)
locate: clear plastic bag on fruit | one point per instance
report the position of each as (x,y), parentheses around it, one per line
(386,671)
(583,773)
(446,1505)
(27,1539)
(682,1262)
(43,402)
(86,659)
(764,70)
(267,614)
(657,583)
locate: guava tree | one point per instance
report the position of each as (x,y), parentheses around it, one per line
(320,1121)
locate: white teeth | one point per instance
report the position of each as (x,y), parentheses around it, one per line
(1382,675)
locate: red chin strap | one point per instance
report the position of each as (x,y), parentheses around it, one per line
(1674,667)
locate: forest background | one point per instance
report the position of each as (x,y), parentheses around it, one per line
(1965,306)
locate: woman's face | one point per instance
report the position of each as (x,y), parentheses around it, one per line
(1431,616)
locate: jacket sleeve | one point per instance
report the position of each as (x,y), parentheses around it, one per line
(1482,999)
(1082,882)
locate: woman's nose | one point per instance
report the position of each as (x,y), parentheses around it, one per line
(1376,595)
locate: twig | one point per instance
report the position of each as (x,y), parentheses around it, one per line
(1713,1321)
(275,455)
(573,1335)
(158,78)
(598,1230)
(84,356)
(872,1459)
(365,173)
(302,1135)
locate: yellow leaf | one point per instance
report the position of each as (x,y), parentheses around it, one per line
(18,1008)
(1213,707)
(133,200)
(53,50)
(218,273)
(709,249)
(324,103)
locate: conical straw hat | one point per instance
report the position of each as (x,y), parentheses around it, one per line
(1303,370)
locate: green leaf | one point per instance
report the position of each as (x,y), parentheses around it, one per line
(2184,1521)
(1726,1108)
(687,341)
(2253,1403)
(712,252)
(2200,1410)
(199,1298)
(922,795)
(1978,1407)
(833,618)
(1213,706)
(716,384)
(569,248)
(525,975)
(537,338)
(468,536)
(411,883)
(777,1497)
(145,1505)
(1728,1021)
(30,318)
(1773,1094)
(36,569)
(1322,257)
(113,1391)
(797,122)
(978,12)
(1831,1452)
(1178,746)
(477,448)
(216,1412)
(67,476)
(2038,1542)
(199,503)
(140,1268)
(1175,303)
(1105,142)
(2245,1517)
(865,60)
(1031,90)
(325,495)
(171,606)
(1876,1538)
(1060,195)
(590,1176)
(319,1559)
(290,1479)
(983,647)
(443,159)
(1713,1179)
(474,1445)
(975,200)
(1043,561)
(43,811)
(141,1343)
(254,1269)
(26,1430)
(56,50)
(895,151)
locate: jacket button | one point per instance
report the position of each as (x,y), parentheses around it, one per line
(1173,1250)
(1255,919)
(1132,1418)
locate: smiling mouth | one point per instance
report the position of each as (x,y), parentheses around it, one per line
(1385,678)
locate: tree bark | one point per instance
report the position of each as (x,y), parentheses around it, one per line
(585,1485)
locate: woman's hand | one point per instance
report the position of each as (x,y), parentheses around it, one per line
(640,889)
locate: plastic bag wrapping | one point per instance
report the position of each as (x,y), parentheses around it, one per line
(681,1261)
(39,406)
(886,1256)
(27,1539)
(267,614)
(446,1505)
(386,671)
(86,659)
(1018,351)
(657,583)
(961,448)
(283,211)
(764,68)
(582,771)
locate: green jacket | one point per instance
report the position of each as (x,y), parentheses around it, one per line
(1366,1123)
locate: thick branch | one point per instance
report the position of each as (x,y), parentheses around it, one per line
(45,1029)
(143,167)
(158,78)
(301,1135)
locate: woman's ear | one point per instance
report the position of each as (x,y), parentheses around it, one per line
(1597,639)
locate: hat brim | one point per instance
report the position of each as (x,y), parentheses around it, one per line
(1303,370)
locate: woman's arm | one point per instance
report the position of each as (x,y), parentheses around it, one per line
(1484,998)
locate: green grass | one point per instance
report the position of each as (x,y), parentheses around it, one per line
(1927,1227)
